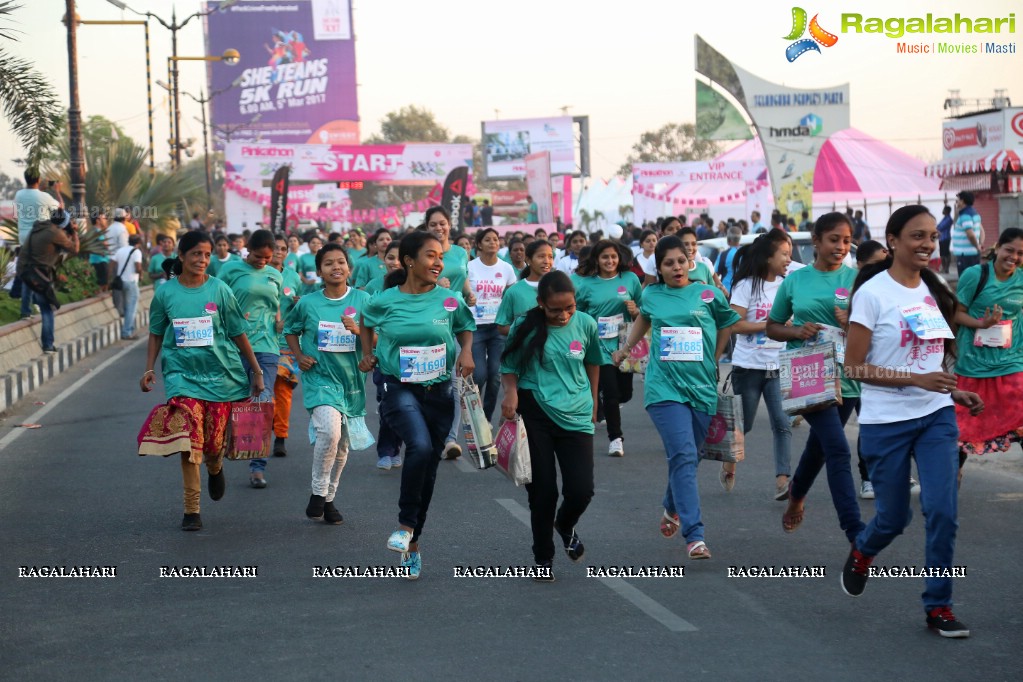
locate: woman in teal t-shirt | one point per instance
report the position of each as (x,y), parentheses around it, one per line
(366,269)
(520,297)
(990,344)
(307,266)
(323,334)
(195,321)
(258,290)
(816,299)
(550,371)
(610,293)
(376,285)
(417,322)
(691,324)
(388,442)
(287,367)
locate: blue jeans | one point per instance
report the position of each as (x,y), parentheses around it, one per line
(267,363)
(388,442)
(421,416)
(888,448)
(487,346)
(131,302)
(683,431)
(46,312)
(827,446)
(26,300)
(456,423)
(750,384)
(963,262)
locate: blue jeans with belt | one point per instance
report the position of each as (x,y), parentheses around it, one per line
(421,416)
(267,363)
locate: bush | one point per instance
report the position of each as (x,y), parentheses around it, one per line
(77,278)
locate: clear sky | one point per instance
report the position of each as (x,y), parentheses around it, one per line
(628,65)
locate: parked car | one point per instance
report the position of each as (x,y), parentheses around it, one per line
(802,248)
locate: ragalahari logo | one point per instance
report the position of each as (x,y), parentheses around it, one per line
(804,45)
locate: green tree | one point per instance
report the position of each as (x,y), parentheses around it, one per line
(9,185)
(28,100)
(672,142)
(410,124)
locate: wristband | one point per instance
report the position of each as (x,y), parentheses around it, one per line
(148,371)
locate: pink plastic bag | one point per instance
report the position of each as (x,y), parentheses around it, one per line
(513,451)
(250,427)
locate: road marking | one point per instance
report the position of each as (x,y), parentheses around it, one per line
(67,392)
(464,466)
(619,586)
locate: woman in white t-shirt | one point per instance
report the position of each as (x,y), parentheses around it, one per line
(900,345)
(643,264)
(489,277)
(759,271)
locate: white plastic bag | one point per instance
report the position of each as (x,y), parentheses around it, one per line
(513,451)
(479,437)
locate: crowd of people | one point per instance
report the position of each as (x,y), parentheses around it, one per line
(549,320)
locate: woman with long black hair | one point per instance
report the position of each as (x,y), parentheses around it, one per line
(901,345)
(550,371)
(521,297)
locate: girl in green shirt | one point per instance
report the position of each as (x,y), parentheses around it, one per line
(388,442)
(698,270)
(368,268)
(610,293)
(287,367)
(307,266)
(195,321)
(550,372)
(520,297)
(291,259)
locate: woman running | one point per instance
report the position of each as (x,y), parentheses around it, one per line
(489,278)
(643,265)
(418,323)
(286,377)
(550,374)
(691,323)
(258,289)
(388,442)
(901,343)
(323,334)
(221,254)
(521,297)
(307,266)
(570,261)
(517,255)
(817,299)
(368,268)
(195,320)
(610,293)
(759,271)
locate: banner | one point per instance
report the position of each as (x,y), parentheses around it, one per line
(296,71)
(453,196)
(538,182)
(688,172)
(506,144)
(717,118)
(279,200)
(405,164)
(982,133)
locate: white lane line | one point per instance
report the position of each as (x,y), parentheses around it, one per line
(464,466)
(631,594)
(67,392)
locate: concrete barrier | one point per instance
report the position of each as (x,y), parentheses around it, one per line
(80,329)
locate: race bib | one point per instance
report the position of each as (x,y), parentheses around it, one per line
(681,344)
(332,337)
(312,275)
(835,335)
(193,332)
(485,312)
(926,321)
(763,342)
(998,336)
(419,364)
(607,327)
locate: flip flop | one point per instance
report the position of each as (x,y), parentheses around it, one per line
(790,521)
(669,524)
(698,550)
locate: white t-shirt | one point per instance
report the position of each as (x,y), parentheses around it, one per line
(568,264)
(793,266)
(487,283)
(878,306)
(117,237)
(32,205)
(647,263)
(756,351)
(121,258)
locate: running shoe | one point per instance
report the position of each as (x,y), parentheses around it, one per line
(217,484)
(943,621)
(280,447)
(396,462)
(616,448)
(855,572)
(257,480)
(781,490)
(414,563)
(331,515)
(191,522)
(399,541)
(914,486)
(543,572)
(866,490)
(384,463)
(314,509)
(573,546)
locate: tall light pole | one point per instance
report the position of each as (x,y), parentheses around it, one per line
(202,100)
(174,26)
(74,117)
(230,57)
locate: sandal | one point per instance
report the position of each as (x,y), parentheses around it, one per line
(727,478)
(669,524)
(792,519)
(698,550)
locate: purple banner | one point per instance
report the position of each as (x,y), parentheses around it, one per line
(296,72)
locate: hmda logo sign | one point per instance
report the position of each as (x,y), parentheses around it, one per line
(809,126)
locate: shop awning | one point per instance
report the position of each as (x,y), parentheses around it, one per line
(1015,184)
(995,161)
(975,182)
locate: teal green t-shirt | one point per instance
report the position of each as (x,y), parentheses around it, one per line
(355,255)
(259,297)
(701,273)
(456,268)
(155,269)
(810,295)
(290,292)
(560,386)
(987,361)
(307,268)
(375,285)
(291,261)
(682,366)
(518,300)
(365,270)
(335,379)
(216,264)
(604,300)
(416,332)
(204,315)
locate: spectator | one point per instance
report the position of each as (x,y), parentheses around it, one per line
(195,223)
(32,204)
(44,246)
(533,213)
(487,213)
(861,231)
(117,236)
(945,238)
(966,233)
(128,265)
(726,259)
(100,259)
(806,225)
(757,227)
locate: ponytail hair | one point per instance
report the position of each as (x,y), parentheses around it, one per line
(751,260)
(188,241)
(535,321)
(946,300)
(410,247)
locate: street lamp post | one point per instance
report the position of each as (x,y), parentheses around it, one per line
(74,116)
(230,57)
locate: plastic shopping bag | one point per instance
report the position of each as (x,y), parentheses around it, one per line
(513,451)
(639,356)
(726,440)
(479,437)
(809,379)
(249,430)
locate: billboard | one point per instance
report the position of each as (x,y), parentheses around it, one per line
(507,143)
(405,164)
(296,72)
(717,118)
(980,134)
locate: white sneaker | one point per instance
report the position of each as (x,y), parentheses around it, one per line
(867,491)
(616,448)
(914,487)
(384,463)
(396,462)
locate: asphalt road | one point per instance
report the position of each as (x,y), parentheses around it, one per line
(74,493)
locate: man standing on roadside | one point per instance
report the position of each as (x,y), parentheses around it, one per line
(32,204)
(945,238)
(128,264)
(44,247)
(117,236)
(757,227)
(100,260)
(966,233)
(487,213)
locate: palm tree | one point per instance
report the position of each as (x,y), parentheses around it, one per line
(28,101)
(598,218)
(625,211)
(585,220)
